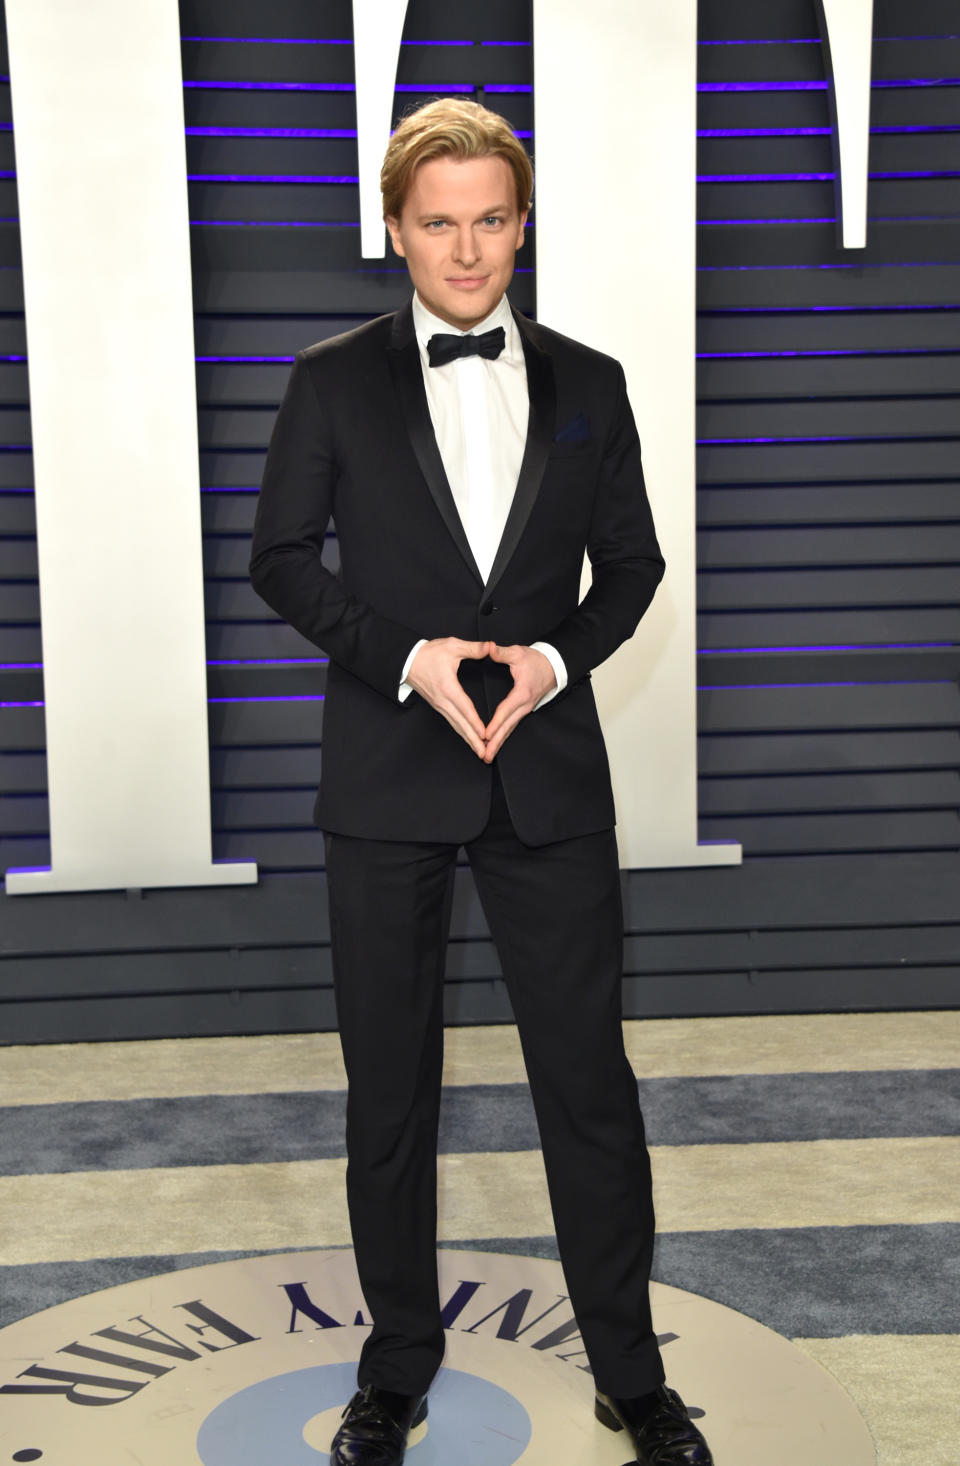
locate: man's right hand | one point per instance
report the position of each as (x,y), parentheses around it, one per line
(433,673)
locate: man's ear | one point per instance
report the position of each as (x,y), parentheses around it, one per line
(521,234)
(393,229)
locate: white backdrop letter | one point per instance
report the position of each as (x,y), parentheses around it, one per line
(101,177)
(616,267)
(846,30)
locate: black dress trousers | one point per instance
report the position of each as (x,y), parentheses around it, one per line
(555,915)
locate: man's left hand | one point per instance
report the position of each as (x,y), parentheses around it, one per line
(533,677)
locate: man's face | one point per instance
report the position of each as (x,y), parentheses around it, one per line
(459,231)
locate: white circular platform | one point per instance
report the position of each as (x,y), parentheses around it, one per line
(252,1361)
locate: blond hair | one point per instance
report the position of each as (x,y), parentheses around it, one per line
(450,127)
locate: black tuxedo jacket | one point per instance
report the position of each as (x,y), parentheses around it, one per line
(353,441)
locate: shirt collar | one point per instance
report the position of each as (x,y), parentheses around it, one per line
(427,324)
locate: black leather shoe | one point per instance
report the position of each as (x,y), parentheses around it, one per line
(375,1427)
(661,1429)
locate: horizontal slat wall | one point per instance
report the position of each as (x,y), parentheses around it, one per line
(829,535)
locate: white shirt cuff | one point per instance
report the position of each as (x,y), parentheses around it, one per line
(559,670)
(405,689)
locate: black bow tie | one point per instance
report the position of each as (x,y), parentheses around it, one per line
(444,349)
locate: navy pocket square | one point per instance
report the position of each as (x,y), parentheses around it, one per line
(577,430)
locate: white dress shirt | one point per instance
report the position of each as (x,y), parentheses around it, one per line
(479,410)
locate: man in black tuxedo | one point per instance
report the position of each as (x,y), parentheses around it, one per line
(468,458)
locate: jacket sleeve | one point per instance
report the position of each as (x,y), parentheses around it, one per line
(625,558)
(294,509)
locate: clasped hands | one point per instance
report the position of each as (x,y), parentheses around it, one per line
(433,674)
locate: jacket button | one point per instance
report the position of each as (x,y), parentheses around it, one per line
(488,610)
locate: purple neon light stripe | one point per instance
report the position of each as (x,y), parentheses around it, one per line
(763,132)
(775,355)
(716,223)
(765,177)
(792,41)
(273,224)
(270,662)
(761,86)
(804,310)
(507,88)
(939,127)
(864,265)
(318,86)
(270,86)
(215,360)
(921,173)
(307,41)
(269,40)
(294,697)
(307,132)
(869,646)
(834,438)
(272,178)
(39,704)
(918,81)
(881,682)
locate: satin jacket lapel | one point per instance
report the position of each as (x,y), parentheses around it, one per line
(541,425)
(404,358)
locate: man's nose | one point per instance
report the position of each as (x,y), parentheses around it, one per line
(466,250)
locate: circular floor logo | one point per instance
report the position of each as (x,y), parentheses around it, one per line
(249,1363)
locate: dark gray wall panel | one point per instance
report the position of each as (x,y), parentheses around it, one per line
(845,505)
(827,752)
(828,504)
(896,544)
(833,626)
(843,287)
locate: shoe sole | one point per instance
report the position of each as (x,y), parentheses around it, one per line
(420,1416)
(606,1416)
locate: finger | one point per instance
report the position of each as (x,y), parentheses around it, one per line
(475,650)
(494,744)
(476,740)
(461,704)
(515,702)
(504,653)
(471,739)
(457,706)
